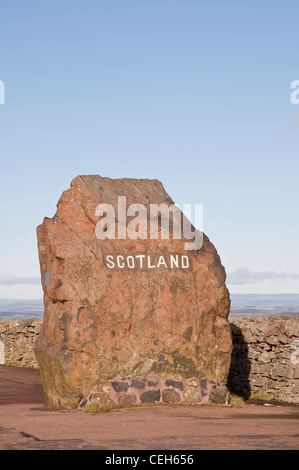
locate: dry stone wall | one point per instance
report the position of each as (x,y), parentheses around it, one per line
(17,340)
(265,357)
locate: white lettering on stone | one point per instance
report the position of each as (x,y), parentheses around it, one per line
(130,262)
(152,261)
(140,257)
(162,261)
(185,261)
(174,260)
(120,265)
(110,263)
(149,262)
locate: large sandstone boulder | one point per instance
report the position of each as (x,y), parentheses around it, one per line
(119,308)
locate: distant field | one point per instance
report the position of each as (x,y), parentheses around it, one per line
(21,309)
(246,312)
(260,304)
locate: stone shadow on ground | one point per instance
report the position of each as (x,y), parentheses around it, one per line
(238,382)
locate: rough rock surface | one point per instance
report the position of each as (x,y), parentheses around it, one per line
(101,323)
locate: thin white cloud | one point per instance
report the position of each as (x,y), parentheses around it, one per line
(10,280)
(245,276)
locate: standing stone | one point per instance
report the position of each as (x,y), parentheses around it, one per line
(103,322)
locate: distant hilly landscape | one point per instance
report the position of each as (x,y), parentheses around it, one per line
(262,304)
(241,305)
(21,309)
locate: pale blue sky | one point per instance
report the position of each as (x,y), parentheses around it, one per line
(196,94)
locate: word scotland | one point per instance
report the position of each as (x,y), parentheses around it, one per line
(143,261)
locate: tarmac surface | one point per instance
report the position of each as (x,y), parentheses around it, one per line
(26,424)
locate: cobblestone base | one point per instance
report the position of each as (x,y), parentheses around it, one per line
(153,389)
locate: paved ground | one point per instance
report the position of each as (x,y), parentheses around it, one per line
(25,423)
